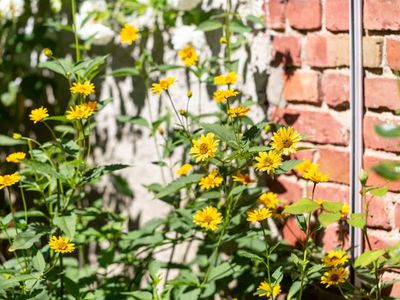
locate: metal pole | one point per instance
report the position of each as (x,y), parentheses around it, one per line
(356,110)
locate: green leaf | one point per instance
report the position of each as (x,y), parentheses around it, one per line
(368,257)
(140,295)
(38,262)
(294,289)
(300,207)
(389,170)
(134,120)
(277,275)
(124,72)
(287,166)
(388,130)
(8,141)
(121,185)
(357,220)
(332,206)
(178,184)
(60,66)
(223,270)
(326,218)
(378,192)
(252,256)
(210,25)
(99,171)
(67,224)
(239,27)
(42,168)
(224,133)
(25,240)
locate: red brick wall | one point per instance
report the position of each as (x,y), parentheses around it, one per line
(310,42)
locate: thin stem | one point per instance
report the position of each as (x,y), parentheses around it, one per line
(24,203)
(77,49)
(62,278)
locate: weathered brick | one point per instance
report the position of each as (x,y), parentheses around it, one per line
(372,139)
(335,89)
(392,290)
(302,86)
(304,14)
(378,213)
(287,188)
(327,50)
(336,163)
(320,126)
(381,15)
(334,236)
(372,51)
(373,159)
(276,14)
(381,93)
(380,240)
(397,215)
(291,232)
(286,50)
(393,53)
(331,192)
(337,15)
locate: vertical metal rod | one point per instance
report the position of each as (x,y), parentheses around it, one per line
(356,110)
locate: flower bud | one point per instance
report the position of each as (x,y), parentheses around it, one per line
(189,94)
(161,130)
(48,52)
(183,113)
(16,136)
(363,177)
(223,40)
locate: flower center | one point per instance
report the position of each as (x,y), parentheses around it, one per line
(203,148)
(62,245)
(267,161)
(208,219)
(287,143)
(334,277)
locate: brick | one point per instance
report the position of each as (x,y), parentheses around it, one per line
(397,215)
(381,93)
(393,53)
(320,126)
(304,14)
(302,86)
(327,50)
(373,159)
(276,14)
(330,191)
(372,52)
(373,140)
(337,15)
(286,50)
(336,163)
(335,235)
(380,240)
(287,188)
(291,232)
(335,89)
(392,290)
(381,15)
(378,213)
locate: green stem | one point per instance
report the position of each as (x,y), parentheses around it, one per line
(77,49)
(24,203)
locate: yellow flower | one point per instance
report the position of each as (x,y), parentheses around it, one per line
(335,258)
(238,112)
(211,181)
(268,162)
(189,94)
(85,88)
(61,245)
(162,85)
(243,178)
(16,136)
(184,170)
(264,289)
(38,114)
(128,34)
(208,218)
(15,157)
(269,200)
(189,55)
(47,52)
(258,215)
(285,140)
(229,78)
(9,180)
(303,166)
(334,277)
(314,174)
(205,147)
(81,111)
(221,96)
(345,210)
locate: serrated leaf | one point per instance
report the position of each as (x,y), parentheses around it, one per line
(8,141)
(178,184)
(379,192)
(139,295)
(124,72)
(67,224)
(209,25)
(134,120)
(300,207)
(294,289)
(326,218)
(25,240)
(357,220)
(332,207)
(99,171)
(287,166)
(38,262)
(368,257)
(223,270)
(224,133)
(252,256)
